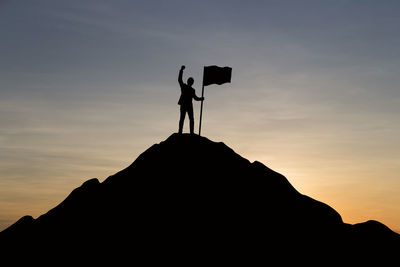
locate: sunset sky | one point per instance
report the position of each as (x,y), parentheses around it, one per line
(86,86)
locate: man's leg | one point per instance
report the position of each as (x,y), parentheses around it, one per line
(191,119)
(182,118)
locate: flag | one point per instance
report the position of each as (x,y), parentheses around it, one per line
(216,75)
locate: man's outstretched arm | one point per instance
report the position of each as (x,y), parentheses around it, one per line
(180,81)
(197,98)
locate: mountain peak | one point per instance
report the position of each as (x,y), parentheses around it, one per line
(188,193)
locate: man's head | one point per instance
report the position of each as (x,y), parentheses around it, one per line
(190,81)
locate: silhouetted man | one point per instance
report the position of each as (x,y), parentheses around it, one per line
(185,101)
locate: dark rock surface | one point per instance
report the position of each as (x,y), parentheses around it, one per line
(191,198)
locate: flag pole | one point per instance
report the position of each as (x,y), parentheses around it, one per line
(201,108)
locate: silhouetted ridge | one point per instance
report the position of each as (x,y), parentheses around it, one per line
(194,196)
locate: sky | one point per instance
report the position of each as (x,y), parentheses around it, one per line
(87,86)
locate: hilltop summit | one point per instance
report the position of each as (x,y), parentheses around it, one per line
(191,197)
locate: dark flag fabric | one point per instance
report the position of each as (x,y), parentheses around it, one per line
(216,75)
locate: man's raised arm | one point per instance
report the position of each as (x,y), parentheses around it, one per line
(180,75)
